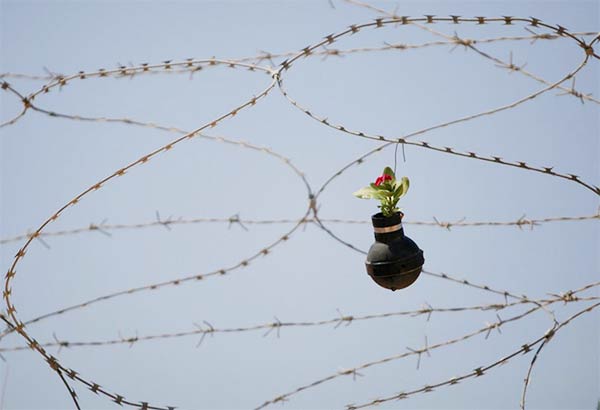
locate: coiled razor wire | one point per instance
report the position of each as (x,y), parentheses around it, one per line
(324,49)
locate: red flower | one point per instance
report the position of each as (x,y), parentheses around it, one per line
(380,180)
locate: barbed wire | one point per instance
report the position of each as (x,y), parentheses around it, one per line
(271,57)
(191,66)
(470,43)
(58,371)
(380,22)
(360,160)
(449,150)
(411,352)
(19,326)
(323,49)
(427,309)
(209,329)
(479,371)
(220,272)
(105,228)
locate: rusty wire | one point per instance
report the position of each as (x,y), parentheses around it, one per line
(207,327)
(224,271)
(416,352)
(480,371)
(267,56)
(191,66)
(19,326)
(15,324)
(105,228)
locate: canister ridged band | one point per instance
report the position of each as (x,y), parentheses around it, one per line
(388,229)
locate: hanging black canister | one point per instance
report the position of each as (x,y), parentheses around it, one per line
(394,261)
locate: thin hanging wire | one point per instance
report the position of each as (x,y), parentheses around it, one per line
(396,156)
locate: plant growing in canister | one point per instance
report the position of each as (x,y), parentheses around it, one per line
(394,261)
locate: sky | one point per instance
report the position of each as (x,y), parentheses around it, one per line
(46,161)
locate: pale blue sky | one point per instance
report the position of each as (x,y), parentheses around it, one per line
(47,161)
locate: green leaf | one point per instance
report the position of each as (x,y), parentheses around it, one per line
(406,184)
(389,171)
(400,188)
(367,193)
(380,195)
